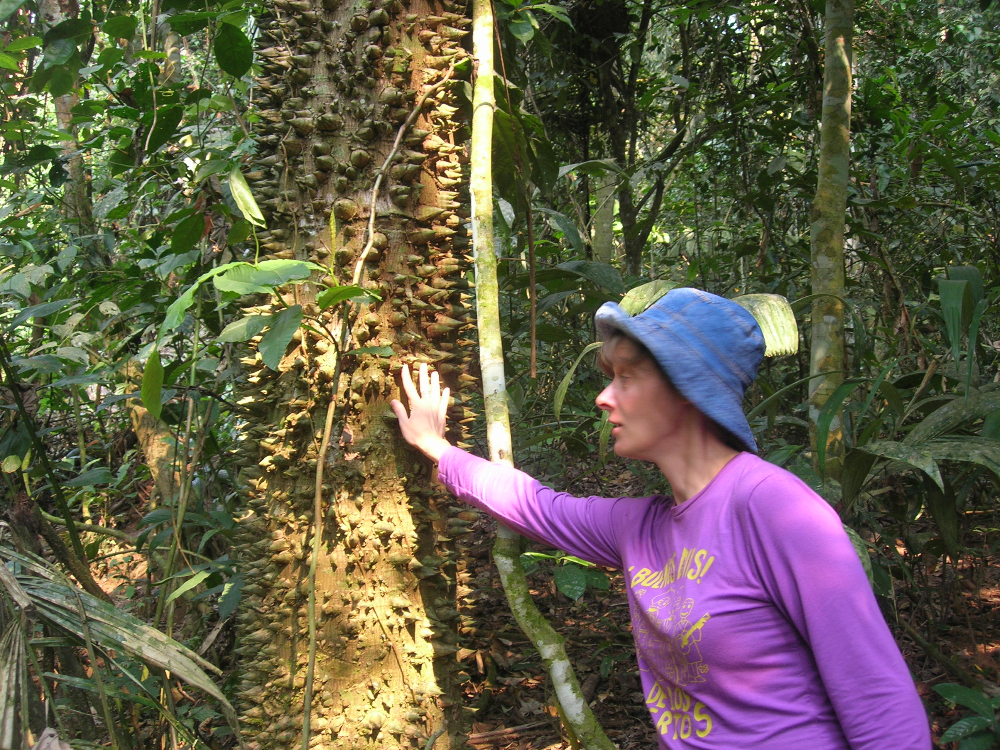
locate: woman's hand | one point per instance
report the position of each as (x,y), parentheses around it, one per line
(425,425)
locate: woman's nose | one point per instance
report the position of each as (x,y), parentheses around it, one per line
(603,400)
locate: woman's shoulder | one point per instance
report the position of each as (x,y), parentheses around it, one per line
(763,488)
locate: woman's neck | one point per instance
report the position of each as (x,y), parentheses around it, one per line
(691,463)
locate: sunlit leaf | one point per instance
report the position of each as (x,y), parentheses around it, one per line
(776,320)
(916,457)
(283,326)
(333,295)
(241,194)
(639,298)
(243,329)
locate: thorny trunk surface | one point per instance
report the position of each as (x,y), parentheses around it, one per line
(340,81)
(827,219)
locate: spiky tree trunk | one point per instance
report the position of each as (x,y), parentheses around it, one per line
(827,219)
(343,81)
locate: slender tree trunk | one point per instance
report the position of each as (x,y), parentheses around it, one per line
(604,218)
(827,217)
(76,207)
(576,714)
(370,647)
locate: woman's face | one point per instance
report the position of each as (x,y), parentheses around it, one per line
(646,410)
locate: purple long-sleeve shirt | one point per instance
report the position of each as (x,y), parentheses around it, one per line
(753,620)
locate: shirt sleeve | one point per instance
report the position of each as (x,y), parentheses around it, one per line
(812,572)
(588,527)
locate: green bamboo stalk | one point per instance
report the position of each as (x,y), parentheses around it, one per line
(827,219)
(579,719)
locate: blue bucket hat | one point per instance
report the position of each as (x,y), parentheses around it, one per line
(708,346)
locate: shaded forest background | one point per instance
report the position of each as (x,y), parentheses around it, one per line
(204,308)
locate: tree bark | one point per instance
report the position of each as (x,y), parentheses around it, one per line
(827,219)
(341,85)
(604,218)
(76,205)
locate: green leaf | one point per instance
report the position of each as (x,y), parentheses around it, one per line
(238,232)
(857,465)
(38,311)
(597,579)
(71,28)
(956,308)
(8,7)
(378,351)
(331,296)
(187,233)
(979,741)
(571,580)
(189,584)
(167,120)
(8,62)
(25,42)
(233,51)
(776,320)
(242,195)
(830,410)
(567,226)
(563,388)
(90,478)
(121,27)
(62,79)
(953,415)
(973,276)
(965,727)
(907,454)
(282,327)
(862,550)
(264,277)
(603,275)
(243,329)
(639,298)
(963,696)
(230,597)
(974,450)
(152,384)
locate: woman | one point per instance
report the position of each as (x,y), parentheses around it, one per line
(753,620)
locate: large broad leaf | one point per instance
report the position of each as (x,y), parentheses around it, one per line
(333,295)
(7,8)
(637,299)
(244,198)
(974,699)
(243,329)
(917,457)
(283,326)
(956,307)
(152,384)
(955,414)
(603,275)
(965,727)
(111,628)
(187,233)
(829,412)
(972,275)
(941,504)
(974,450)
(571,580)
(167,120)
(776,320)
(857,466)
(567,226)
(264,277)
(568,378)
(233,50)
